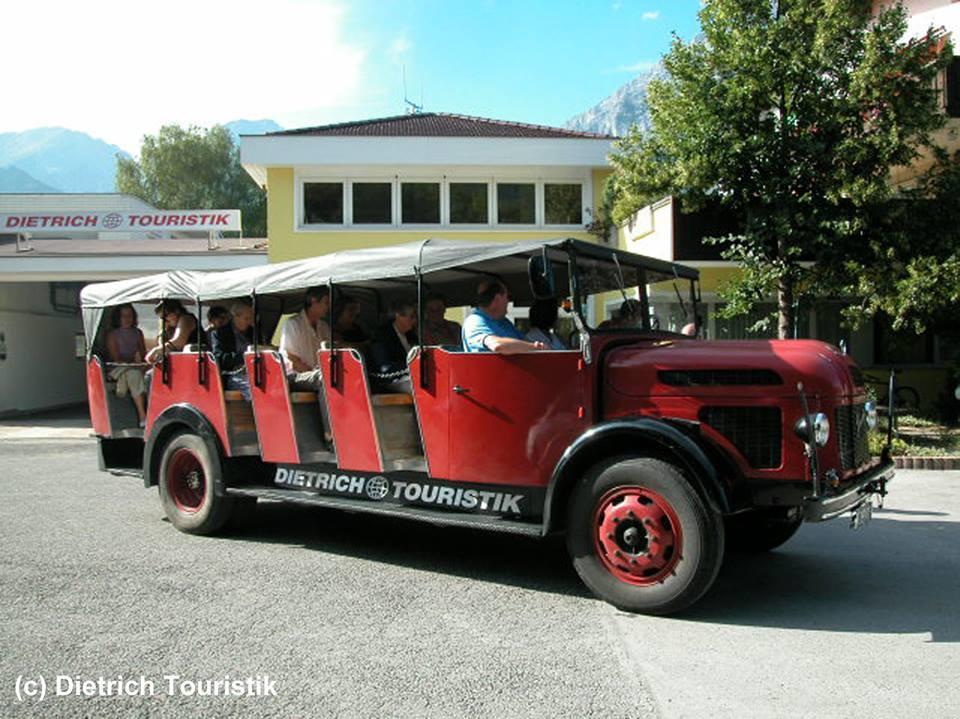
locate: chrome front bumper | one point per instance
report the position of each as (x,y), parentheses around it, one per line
(824,507)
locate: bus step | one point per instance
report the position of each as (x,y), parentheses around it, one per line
(433,516)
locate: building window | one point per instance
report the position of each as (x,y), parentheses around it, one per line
(372,203)
(468,203)
(420,203)
(951,90)
(563,204)
(516,203)
(323,203)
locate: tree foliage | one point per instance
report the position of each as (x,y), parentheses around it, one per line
(194,168)
(790,115)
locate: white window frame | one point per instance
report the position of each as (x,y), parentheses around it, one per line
(346,179)
(301,212)
(537,202)
(583,203)
(433,179)
(392,181)
(488,182)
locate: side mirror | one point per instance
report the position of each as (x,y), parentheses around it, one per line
(543,284)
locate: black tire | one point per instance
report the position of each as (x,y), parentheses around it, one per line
(189,472)
(760,530)
(693,549)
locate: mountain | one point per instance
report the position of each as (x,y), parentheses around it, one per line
(15,180)
(615,114)
(251,127)
(66,159)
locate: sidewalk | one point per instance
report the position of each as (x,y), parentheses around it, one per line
(68,423)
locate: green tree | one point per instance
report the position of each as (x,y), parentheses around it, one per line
(790,115)
(194,168)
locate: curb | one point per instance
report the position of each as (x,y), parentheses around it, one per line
(940,463)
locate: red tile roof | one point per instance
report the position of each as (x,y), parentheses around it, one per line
(438,124)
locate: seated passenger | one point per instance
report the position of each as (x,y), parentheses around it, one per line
(436,329)
(228,345)
(217,317)
(391,345)
(543,317)
(487,328)
(346,329)
(181,328)
(301,337)
(628,316)
(126,348)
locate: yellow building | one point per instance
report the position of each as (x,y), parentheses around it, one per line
(398,179)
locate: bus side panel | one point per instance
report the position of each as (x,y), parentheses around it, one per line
(512,416)
(351,413)
(273,410)
(185,388)
(97,397)
(433,407)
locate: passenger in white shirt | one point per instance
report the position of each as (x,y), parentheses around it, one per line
(304,334)
(543,316)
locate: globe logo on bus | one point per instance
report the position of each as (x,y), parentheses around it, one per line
(378,487)
(112,221)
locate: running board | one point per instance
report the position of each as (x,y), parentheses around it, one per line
(451,519)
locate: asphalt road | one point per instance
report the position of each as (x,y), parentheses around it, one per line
(354,616)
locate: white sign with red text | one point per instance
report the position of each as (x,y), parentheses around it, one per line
(36,223)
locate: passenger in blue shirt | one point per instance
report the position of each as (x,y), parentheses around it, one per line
(487,328)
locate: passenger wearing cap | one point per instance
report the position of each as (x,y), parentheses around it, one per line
(181,329)
(487,328)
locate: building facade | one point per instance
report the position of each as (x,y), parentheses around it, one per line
(41,334)
(406,178)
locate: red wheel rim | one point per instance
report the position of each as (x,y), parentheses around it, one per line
(186,482)
(637,535)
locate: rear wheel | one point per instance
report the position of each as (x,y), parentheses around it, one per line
(760,530)
(642,538)
(189,473)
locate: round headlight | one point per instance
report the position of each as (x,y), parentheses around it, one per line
(870,412)
(821,429)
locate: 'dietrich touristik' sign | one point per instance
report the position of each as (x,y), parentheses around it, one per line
(35,223)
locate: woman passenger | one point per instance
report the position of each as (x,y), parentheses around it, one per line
(126,348)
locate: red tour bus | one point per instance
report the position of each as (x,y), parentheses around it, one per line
(652,450)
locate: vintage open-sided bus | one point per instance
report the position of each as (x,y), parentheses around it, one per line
(649,448)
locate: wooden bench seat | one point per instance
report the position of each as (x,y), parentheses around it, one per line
(303,397)
(232,395)
(391,400)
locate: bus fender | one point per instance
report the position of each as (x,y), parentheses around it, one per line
(623,436)
(179,416)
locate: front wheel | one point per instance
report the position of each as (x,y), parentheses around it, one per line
(642,538)
(188,476)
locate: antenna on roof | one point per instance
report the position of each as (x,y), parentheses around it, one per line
(412,108)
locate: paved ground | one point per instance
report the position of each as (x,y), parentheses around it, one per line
(356,617)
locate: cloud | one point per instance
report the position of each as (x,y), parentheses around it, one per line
(650,15)
(119,69)
(641,66)
(399,49)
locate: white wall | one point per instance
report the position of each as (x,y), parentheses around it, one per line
(650,231)
(40,369)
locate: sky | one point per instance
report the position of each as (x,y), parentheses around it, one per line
(120,69)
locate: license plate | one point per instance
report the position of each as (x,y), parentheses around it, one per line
(861,515)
